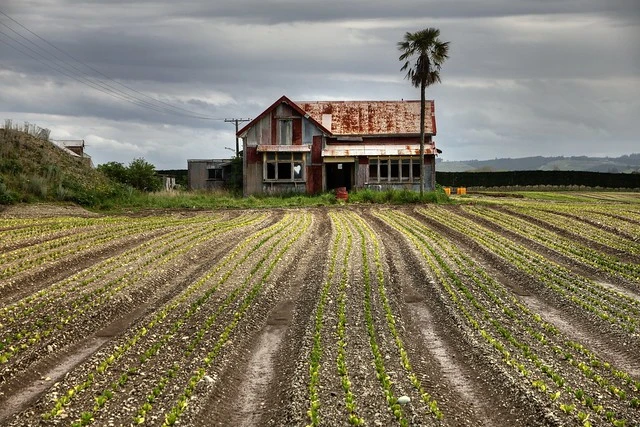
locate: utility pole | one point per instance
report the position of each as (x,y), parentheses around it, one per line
(236,121)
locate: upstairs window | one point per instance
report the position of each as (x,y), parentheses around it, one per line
(283,167)
(285,132)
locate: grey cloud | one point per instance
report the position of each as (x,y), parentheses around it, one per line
(523,76)
(270,12)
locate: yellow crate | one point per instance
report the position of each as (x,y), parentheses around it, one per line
(462,191)
(447,191)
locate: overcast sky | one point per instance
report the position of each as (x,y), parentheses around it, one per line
(524,77)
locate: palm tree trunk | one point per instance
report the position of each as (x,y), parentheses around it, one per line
(423,87)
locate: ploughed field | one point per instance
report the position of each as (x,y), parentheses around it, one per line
(517,313)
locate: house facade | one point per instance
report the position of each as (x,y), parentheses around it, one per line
(317,146)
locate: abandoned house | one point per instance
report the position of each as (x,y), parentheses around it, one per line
(207,174)
(322,145)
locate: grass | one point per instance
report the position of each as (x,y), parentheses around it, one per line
(397,197)
(226,200)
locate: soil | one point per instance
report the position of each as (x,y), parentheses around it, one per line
(220,309)
(44,210)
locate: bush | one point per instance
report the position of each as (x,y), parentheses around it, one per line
(7,197)
(10,166)
(140,174)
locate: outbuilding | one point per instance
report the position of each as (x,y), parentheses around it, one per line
(207,174)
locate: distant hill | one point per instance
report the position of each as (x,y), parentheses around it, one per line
(623,164)
(32,168)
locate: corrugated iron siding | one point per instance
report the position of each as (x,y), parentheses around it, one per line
(371,117)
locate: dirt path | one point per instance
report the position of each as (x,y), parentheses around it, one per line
(250,392)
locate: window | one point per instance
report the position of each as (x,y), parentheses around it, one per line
(373,169)
(285,132)
(405,173)
(284,167)
(214,174)
(389,169)
(415,169)
(384,170)
(394,173)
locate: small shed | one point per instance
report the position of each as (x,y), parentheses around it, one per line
(207,174)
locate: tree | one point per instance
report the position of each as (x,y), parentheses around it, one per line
(116,171)
(142,175)
(423,54)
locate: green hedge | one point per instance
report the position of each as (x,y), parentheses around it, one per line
(524,178)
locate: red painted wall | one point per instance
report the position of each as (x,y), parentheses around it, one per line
(297,131)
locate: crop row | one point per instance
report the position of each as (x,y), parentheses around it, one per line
(609,305)
(317,349)
(76,284)
(561,370)
(23,259)
(428,400)
(38,230)
(269,262)
(157,336)
(361,288)
(561,244)
(613,217)
(585,229)
(33,329)
(343,372)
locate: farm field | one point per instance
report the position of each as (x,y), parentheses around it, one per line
(501,311)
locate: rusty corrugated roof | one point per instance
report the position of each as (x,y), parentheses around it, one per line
(370,117)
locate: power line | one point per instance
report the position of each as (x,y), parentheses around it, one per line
(66,73)
(62,71)
(105,87)
(92,68)
(236,121)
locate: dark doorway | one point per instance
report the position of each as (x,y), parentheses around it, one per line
(339,175)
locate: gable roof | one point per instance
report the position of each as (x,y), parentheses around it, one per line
(371,117)
(359,117)
(282,100)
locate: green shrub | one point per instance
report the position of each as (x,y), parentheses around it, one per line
(34,185)
(10,166)
(7,197)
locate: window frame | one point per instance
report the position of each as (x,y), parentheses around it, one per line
(389,169)
(285,132)
(279,160)
(217,174)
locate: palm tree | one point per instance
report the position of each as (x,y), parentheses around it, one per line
(423,54)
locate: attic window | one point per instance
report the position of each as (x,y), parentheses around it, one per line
(285,132)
